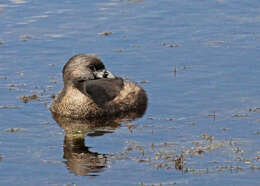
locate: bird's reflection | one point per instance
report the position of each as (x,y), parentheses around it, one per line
(79,158)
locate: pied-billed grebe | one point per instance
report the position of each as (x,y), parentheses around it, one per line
(92,92)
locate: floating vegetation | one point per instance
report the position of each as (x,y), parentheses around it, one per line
(131,127)
(170,45)
(45,123)
(240,115)
(53,96)
(12,87)
(170,119)
(50,87)
(175,69)
(12,130)
(53,81)
(186,67)
(33,97)
(153,155)
(171,155)
(9,107)
(208,138)
(105,33)
(216,43)
(212,115)
(179,162)
(3,77)
(143,82)
(16,86)
(254,109)
(118,50)
(25,37)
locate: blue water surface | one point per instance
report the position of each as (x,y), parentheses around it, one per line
(197,60)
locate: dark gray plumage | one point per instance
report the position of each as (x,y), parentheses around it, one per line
(102,90)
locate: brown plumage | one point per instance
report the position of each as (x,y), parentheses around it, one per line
(92,92)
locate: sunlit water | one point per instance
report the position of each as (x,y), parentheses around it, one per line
(197,60)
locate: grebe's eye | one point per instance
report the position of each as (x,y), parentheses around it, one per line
(92,67)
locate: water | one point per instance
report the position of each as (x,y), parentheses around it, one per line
(199,62)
